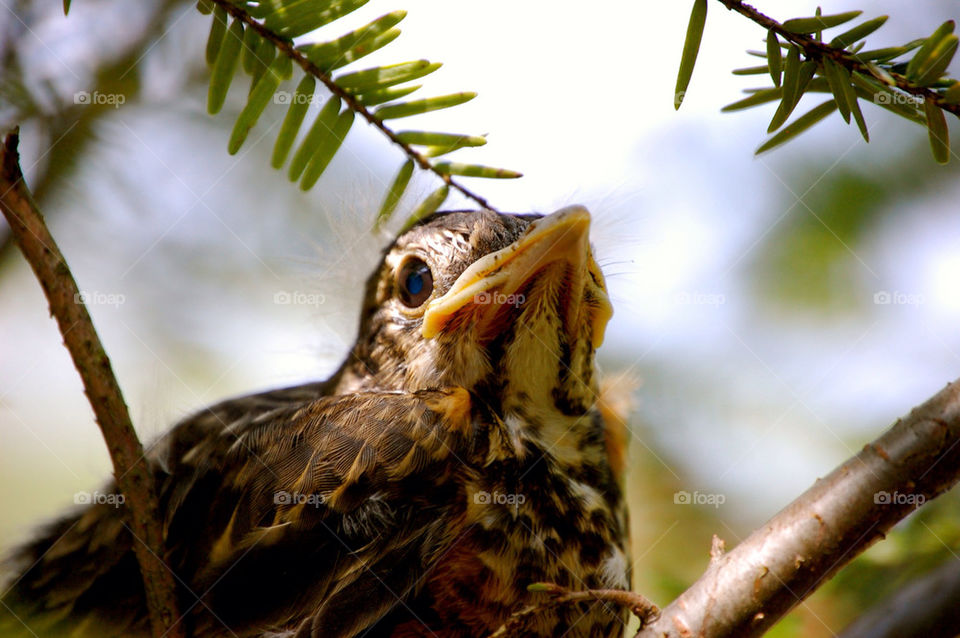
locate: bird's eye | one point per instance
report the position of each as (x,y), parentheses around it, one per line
(414,282)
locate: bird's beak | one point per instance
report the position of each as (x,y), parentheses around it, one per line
(556,247)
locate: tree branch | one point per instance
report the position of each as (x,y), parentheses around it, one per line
(132,474)
(816,50)
(287,48)
(746,591)
(924,608)
(642,608)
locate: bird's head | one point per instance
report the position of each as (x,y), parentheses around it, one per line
(510,306)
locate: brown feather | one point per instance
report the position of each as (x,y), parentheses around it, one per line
(415,493)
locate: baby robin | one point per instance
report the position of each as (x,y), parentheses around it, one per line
(456,457)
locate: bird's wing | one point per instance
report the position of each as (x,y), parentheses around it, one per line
(322,516)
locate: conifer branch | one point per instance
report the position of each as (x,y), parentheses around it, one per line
(817,50)
(286,47)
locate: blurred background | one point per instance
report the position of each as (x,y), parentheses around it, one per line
(773,313)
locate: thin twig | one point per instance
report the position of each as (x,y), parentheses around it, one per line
(640,606)
(286,47)
(817,50)
(133,477)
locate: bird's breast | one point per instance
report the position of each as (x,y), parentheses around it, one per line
(535,515)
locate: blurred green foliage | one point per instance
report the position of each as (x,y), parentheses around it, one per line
(809,260)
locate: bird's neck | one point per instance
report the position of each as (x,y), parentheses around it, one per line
(542,388)
(545,393)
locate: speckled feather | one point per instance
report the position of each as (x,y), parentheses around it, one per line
(397,472)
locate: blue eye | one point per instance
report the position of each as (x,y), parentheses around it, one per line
(414,282)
